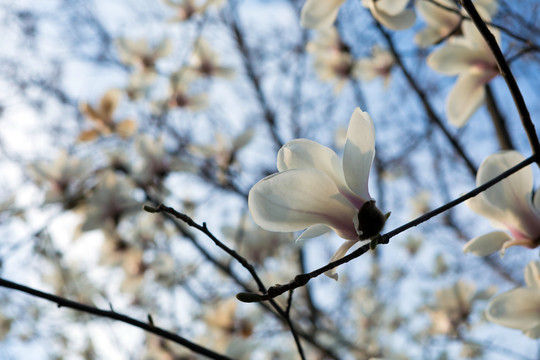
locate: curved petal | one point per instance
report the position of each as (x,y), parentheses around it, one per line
(308,154)
(340,252)
(512,193)
(486,244)
(452,59)
(471,33)
(319,13)
(359,152)
(465,98)
(313,232)
(296,199)
(532,275)
(392,7)
(401,21)
(517,309)
(435,15)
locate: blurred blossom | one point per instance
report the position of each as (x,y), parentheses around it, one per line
(5,326)
(180,97)
(453,306)
(508,204)
(519,308)
(378,65)
(442,23)
(63,178)
(163,267)
(441,267)
(205,62)
(134,269)
(392,14)
(102,118)
(470,57)
(110,201)
(314,189)
(413,244)
(139,54)
(255,243)
(157,348)
(186,9)
(156,162)
(223,151)
(471,351)
(421,203)
(139,85)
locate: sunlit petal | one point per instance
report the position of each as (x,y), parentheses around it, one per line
(517,309)
(296,199)
(319,13)
(532,275)
(486,244)
(465,98)
(359,152)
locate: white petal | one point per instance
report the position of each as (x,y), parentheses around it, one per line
(319,13)
(472,34)
(359,152)
(517,309)
(532,275)
(313,232)
(340,252)
(401,21)
(452,59)
(512,193)
(391,7)
(308,154)
(465,98)
(486,244)
(296,199)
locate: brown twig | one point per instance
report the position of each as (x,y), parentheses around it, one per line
(506,74)
(110,314)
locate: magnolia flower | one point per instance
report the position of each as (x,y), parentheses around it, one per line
(102,116)
(326,42)
(109,203)
(180,96)
(509,205)
(393,14)
(470,58)
(205,62)
(186,9)
(64,178)
(139,54)
(519,308)
(156,162)
(379,64)
(441,22)
(139,85)
(317,191)
(453,306)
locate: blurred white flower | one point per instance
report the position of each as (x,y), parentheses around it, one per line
(392,14)
(470,58)
(156,162)
(139,54)
(379,64)
(509,205)
(442,22)
(186,9)
(102,118)
(110,201)
(205,62)
(63,178)
(179,93)
(519,308)
(315,190)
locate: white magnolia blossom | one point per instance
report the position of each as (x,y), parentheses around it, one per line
(470,58)
(392,14)
(318,14)
(205,62)
(139,54)
(509,205)
(314,189)
(186,9)
(63,178)
(442,22)
(519,308)
(379,64)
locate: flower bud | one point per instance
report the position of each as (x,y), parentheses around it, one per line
(370,221)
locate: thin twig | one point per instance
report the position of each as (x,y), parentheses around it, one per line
(506,74)
(150,327)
